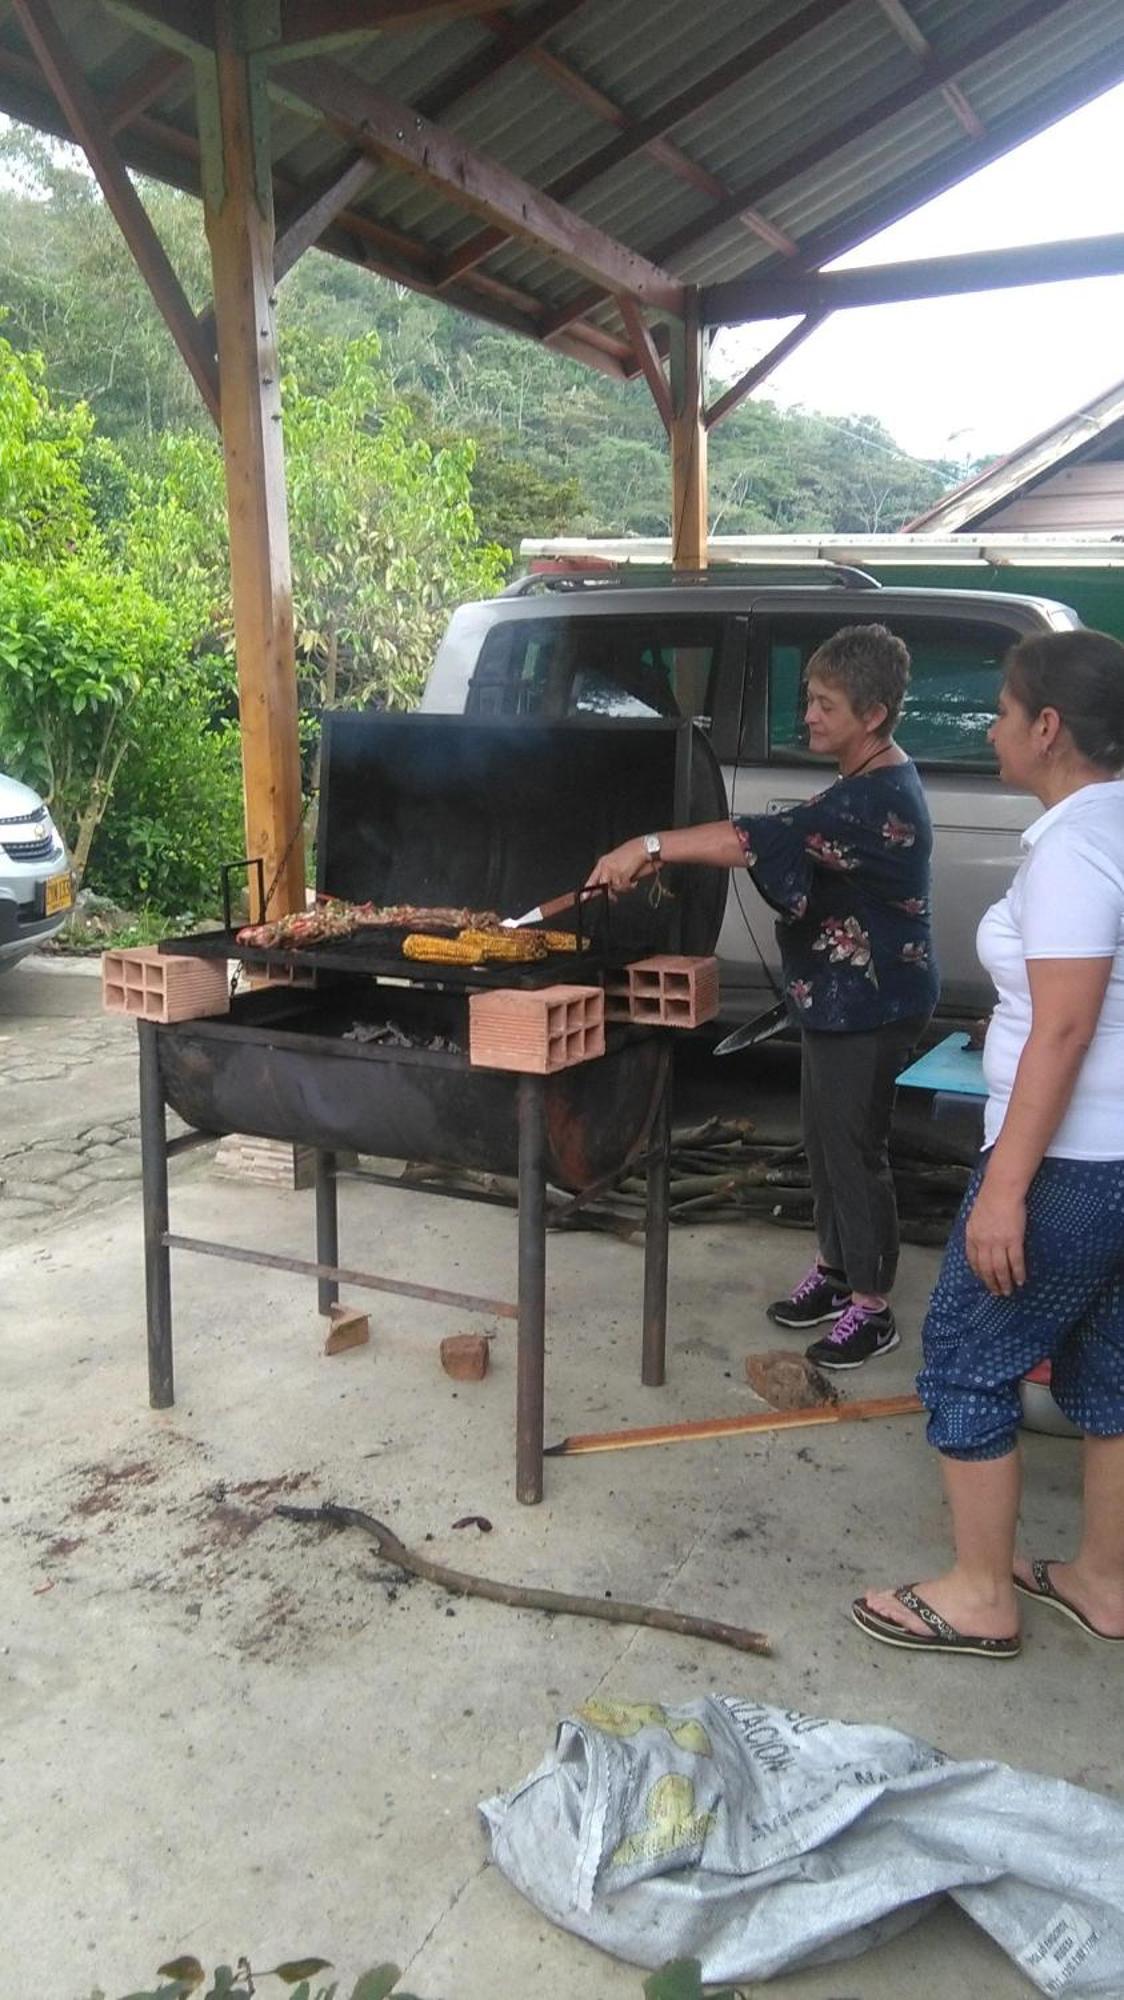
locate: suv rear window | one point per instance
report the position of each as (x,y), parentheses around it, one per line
(956,673)
(609,666)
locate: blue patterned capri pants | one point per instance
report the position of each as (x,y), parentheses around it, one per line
(1069,1311)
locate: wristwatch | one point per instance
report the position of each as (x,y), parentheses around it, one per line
(652,847)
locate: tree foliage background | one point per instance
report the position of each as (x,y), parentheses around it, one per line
(420,446)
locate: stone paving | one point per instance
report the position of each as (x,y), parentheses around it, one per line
(69,1128)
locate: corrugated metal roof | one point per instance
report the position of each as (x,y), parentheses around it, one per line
(820,116)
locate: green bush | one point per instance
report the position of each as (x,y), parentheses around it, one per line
(176,812)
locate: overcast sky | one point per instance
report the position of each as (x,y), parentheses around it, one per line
(964,377)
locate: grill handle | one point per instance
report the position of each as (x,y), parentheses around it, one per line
(230,868)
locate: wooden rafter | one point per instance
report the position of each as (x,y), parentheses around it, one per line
(377,246)
(689,239)
(86,121)
(146,84)
(1003,31)
(187,25)
(744,299)
(429,152)
(761,370)
(649,134)
(319,20)
(907,30)
(520,37)
(649,361)
(319,206)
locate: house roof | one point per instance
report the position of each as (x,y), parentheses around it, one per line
(537,163)
(1094,429)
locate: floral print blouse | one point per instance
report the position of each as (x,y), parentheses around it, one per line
(849,874)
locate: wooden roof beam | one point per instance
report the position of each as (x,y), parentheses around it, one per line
(761,370)
(649,361)
(87,122)
(322,21)
(648,134)
(317,208)
(743,299)
(999,35)
(137,92)
(690,238)
(907,30)
(398,133)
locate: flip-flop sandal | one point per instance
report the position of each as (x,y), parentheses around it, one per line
(941,1636)
(1044,1592)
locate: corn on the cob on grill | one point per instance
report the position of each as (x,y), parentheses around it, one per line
(477,947)
(563,940)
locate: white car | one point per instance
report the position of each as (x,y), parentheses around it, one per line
(36,890)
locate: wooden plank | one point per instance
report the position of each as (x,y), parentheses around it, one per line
(742,299)
(146,84)
(395,131)
(689,512)
(753,1421)
(906,28)
(186,25)
(745,385)
(321,205)
(650,364)
(87,122)
(239,220)
(1003,31)
(323,20)
(648,134)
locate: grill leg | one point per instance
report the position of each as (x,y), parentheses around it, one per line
(653,1368)
(154,1195)
(327,1229)
(529,1386)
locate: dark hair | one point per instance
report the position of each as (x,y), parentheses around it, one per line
(1081,675)
(870,664)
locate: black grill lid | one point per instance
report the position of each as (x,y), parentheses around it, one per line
(448,809)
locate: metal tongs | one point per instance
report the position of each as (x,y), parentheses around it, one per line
(553,907)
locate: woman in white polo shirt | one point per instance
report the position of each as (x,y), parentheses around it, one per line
(1035,1267)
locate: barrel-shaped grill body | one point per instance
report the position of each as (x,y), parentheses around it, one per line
(449,811)
(282,1070)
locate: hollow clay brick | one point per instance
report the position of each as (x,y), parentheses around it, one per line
(536,1031)
(150,986)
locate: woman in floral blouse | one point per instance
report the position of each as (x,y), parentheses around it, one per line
(848,873)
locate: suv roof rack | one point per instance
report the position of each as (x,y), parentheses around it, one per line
(569,575)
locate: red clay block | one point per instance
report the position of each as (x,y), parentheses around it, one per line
(150,986)
(670,991)
(536,1031)
(464,1356)
(350,1328)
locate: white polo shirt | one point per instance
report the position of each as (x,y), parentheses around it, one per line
(1066,901)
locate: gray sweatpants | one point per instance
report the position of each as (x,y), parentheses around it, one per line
(846,1102)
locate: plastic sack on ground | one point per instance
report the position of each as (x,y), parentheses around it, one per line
(759,1840)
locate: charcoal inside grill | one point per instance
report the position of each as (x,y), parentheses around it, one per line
(391,1035)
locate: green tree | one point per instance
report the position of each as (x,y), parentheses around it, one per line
(78,644)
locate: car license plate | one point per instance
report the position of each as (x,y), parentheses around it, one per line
(58,895)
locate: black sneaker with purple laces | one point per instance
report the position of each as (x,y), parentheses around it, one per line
(859,1334)
(821,1295)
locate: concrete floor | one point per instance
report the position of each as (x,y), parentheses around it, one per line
(223,1733)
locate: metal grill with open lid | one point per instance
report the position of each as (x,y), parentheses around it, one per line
(436,811)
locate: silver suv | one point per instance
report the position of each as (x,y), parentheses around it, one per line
(36,891)
(732,654)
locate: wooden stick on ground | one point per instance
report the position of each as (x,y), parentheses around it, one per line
(718,1427)
(525,1596)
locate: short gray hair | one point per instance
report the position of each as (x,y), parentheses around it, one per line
(870,664)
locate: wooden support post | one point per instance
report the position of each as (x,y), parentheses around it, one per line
(688,441)
(238,210)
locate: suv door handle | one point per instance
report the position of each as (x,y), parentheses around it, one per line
(781,805)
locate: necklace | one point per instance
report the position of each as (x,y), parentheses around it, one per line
(879,752)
